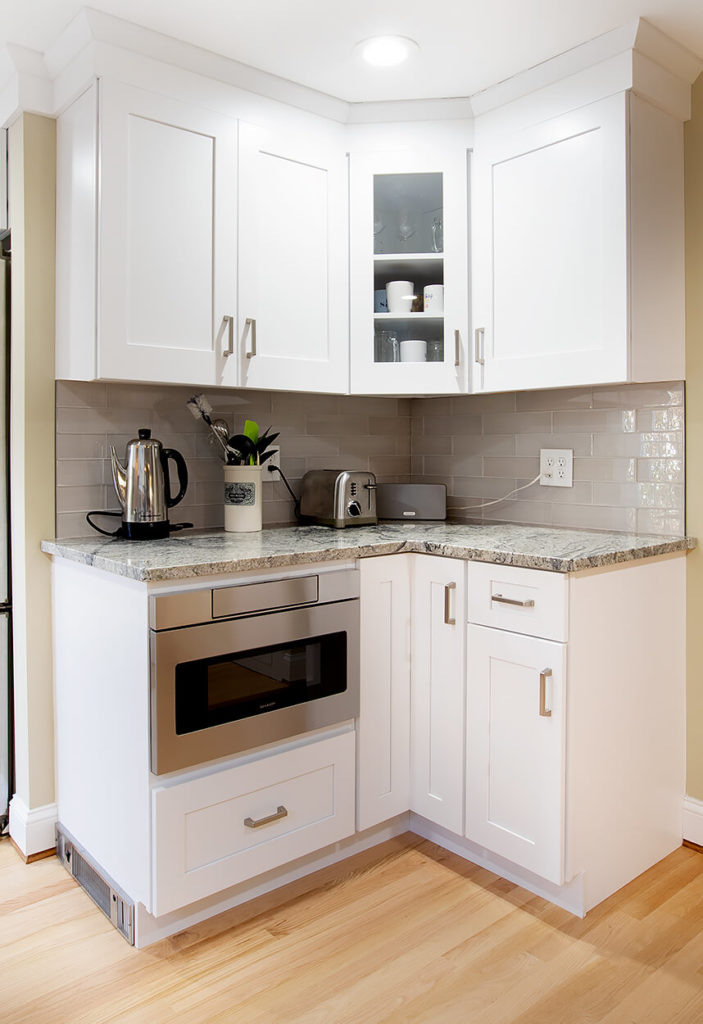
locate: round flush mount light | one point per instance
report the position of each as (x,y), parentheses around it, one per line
(386,51)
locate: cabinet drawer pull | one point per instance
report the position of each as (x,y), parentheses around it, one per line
(250,323)
(529,603)
(281,812)
(448,620)
(543,693)
(228,325)
(479,339)
(457,348)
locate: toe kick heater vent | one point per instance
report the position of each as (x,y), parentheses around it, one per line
(114,903)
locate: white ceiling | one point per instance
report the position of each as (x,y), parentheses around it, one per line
(465,45)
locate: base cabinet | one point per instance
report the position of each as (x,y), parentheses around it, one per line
(437,704)
(515,764)
(383,727)
(224,828)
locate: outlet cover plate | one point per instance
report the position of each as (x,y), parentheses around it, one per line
(275,463)
(556,467)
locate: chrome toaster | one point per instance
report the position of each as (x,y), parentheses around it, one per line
(338,497)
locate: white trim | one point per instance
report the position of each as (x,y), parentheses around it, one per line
(692,820)
(569,896)
(151,929)
(649,61)
(33,830)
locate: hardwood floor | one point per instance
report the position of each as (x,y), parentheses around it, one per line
(403,933)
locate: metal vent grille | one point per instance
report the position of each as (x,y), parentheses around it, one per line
(85,875)
(102,890)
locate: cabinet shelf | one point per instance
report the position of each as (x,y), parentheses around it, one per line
(407,257)
(418,265)
(432,317)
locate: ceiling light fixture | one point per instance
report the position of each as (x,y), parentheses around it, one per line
(386,51)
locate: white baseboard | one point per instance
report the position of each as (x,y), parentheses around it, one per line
(33,830)
(693,820)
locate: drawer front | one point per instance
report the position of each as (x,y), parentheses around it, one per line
(528,601)
(217,831)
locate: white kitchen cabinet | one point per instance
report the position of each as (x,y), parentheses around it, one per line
(383,726)
(146,251)
(577,245)
(437,705)
(515,765)
(234,823)
(409,223)
(293,321)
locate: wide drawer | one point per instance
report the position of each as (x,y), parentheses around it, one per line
(528,601)
(213,832)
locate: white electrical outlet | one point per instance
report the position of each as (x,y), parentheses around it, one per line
(275,463)
(556,467)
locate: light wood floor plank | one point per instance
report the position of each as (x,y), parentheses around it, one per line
(404,934)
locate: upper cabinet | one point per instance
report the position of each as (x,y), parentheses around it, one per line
(578,249)
(146,261)
(533,238)
(189,255)
(409,271)
(293,321)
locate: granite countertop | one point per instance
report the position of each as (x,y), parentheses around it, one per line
(201,553)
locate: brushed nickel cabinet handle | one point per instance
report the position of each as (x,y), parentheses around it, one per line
(280,812)
(457,348)
(499,599)
(448,620)
(227,325)
(544,674)
(479,339)
(250,323)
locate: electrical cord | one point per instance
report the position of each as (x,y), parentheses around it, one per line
(296,501)
(496,501)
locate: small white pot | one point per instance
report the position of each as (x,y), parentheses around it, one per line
(243,496)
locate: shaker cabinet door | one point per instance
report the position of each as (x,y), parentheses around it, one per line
(167,237)
(383,728)
(293,326)
(515,714)
(437,716)
(550,252)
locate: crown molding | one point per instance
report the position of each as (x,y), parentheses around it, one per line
(636,56)
(24,84)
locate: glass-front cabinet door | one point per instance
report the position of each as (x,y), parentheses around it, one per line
(409,273)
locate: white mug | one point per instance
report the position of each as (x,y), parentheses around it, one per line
(434,298)
(413,351)
(400,295)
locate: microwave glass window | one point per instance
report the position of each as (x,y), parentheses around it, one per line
(212,691)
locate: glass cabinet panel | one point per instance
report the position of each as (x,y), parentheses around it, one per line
(408,280)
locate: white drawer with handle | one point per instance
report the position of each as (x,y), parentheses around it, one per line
(529,601)
(213,832)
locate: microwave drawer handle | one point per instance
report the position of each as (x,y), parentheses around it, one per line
(280,812)
(529,603)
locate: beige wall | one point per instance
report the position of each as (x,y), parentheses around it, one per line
(32,146)
(694,439)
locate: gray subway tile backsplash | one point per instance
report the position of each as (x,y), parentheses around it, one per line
(628,444)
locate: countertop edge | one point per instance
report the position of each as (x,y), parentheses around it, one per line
(443,548)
